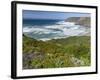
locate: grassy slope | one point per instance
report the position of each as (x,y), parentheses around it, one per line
(68,52)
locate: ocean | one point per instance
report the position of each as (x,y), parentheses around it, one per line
(52,29)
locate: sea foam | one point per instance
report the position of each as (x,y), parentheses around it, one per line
(60,29)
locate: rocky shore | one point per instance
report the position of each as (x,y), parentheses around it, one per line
(84,21)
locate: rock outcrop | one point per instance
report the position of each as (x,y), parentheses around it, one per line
(84,21)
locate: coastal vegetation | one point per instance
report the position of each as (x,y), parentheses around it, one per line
(73,51)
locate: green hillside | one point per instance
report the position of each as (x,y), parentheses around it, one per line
(68,52)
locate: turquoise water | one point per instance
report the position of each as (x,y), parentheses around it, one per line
(51,29)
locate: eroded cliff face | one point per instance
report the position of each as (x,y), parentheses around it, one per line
(84,21)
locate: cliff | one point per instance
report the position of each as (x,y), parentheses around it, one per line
(84,21)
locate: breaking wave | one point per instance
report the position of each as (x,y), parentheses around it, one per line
(60,29)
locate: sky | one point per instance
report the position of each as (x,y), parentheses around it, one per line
(30,14)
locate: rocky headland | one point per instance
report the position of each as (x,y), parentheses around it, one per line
(84,21)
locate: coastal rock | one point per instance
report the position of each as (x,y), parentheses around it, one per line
(84,21)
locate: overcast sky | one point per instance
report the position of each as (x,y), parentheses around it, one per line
(30,14)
